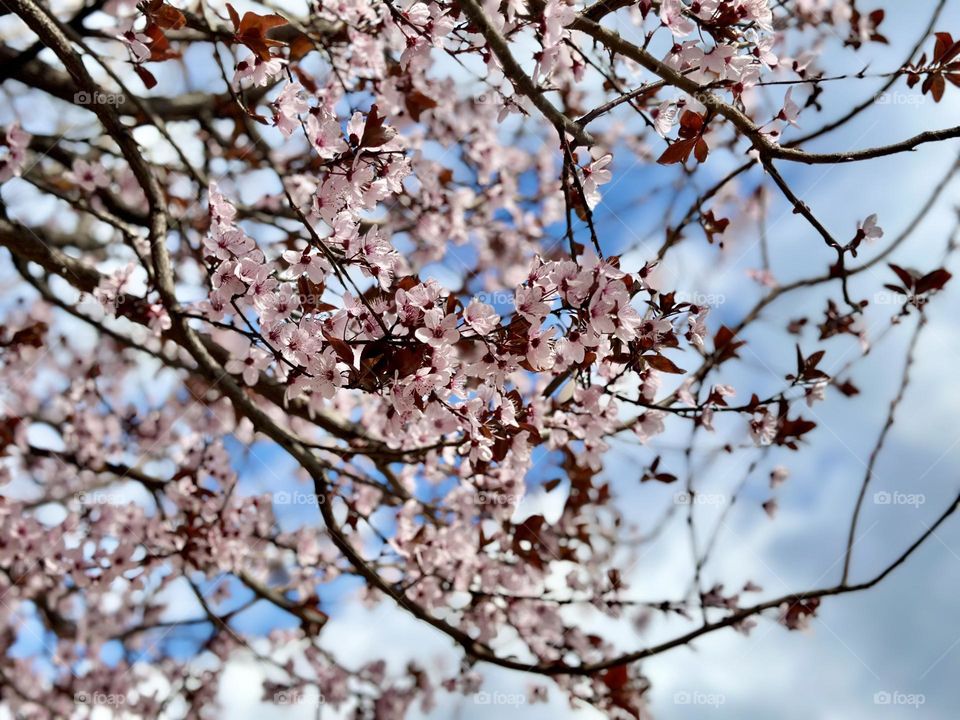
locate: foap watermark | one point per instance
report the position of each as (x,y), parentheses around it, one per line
(495,298)
(100,698)
(298,497)
(500,698)
(99,497)
(494,99)
(107,302)
(310,300)
(895,697)
(482,497)
(696,697)
(899,498)
(295,696)
(685,498)
(888,297)
(98,98)
(703,98)
(701,299)
(899,98)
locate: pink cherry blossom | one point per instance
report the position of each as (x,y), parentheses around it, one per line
(439,329)
(672,15)
(249,363)
(480,317)
(869,229)
(89,176)
(16,141)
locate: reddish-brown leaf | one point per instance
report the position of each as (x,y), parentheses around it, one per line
(848,388)
(251,30)
(700,150)
(938,87)
(418,102)
(616,677)
(375,133)
(933,281)
(691,124)
(146,76)
(663,364)
(942,47)
(726,346)
(160,49)
(164,15)
(906,277)
(678,152)
(712,225)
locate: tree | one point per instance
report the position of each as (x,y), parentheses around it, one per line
(363,239)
